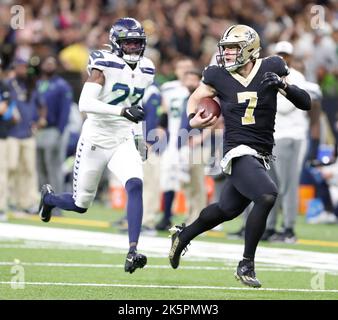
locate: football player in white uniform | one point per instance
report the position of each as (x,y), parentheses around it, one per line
(174,94)
(111,97)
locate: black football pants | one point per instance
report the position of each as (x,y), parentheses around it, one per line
(249,181)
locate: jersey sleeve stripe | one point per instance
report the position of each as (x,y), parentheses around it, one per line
(109,64)
(148,70)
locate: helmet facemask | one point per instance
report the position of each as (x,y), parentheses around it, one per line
(233,49)
(132,49)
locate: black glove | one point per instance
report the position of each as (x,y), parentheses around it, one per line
(141,147)
(271,79)
(133,113)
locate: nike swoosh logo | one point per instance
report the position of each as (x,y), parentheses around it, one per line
(130,260)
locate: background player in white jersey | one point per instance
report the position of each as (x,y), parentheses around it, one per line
(291,134)
(110,97)
(174,94)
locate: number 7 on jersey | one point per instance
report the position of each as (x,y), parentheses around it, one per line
(249,111)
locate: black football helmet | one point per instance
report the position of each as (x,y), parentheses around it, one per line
(128,39)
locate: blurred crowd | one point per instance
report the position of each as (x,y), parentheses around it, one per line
(57,36)
(174,28)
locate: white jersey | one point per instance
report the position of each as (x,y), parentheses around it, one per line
(173,95)
(313,89)
(123,87)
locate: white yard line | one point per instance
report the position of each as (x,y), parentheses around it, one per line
(118,266)
(32,244)
(197,250)
(155,286)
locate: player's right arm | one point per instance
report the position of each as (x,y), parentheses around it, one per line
(195,117)
(90,102)
(89,98)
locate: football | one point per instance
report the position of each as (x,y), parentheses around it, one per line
(210,106)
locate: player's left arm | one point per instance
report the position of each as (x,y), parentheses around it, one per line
(276,79)
(299,97)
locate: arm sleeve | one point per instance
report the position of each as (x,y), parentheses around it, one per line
(299,97)
(90,103)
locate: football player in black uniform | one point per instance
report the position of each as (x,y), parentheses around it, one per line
(246,87)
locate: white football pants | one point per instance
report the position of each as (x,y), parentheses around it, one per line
(123,160)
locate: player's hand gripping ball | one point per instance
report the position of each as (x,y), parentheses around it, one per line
(210,106)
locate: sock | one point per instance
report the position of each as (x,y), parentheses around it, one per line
(134,188)
(63,201)
(168,202)
(256,222)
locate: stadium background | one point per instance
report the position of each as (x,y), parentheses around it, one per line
(71,29)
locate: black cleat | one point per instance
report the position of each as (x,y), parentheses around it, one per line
(246,274)
(176,246)
(45,211)
(134,260)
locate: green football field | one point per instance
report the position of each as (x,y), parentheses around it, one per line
(59,269)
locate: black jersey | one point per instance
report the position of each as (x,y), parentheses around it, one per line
(248,109)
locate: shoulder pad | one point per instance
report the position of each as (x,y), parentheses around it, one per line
(209,74)
(101,59)
(278,65)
